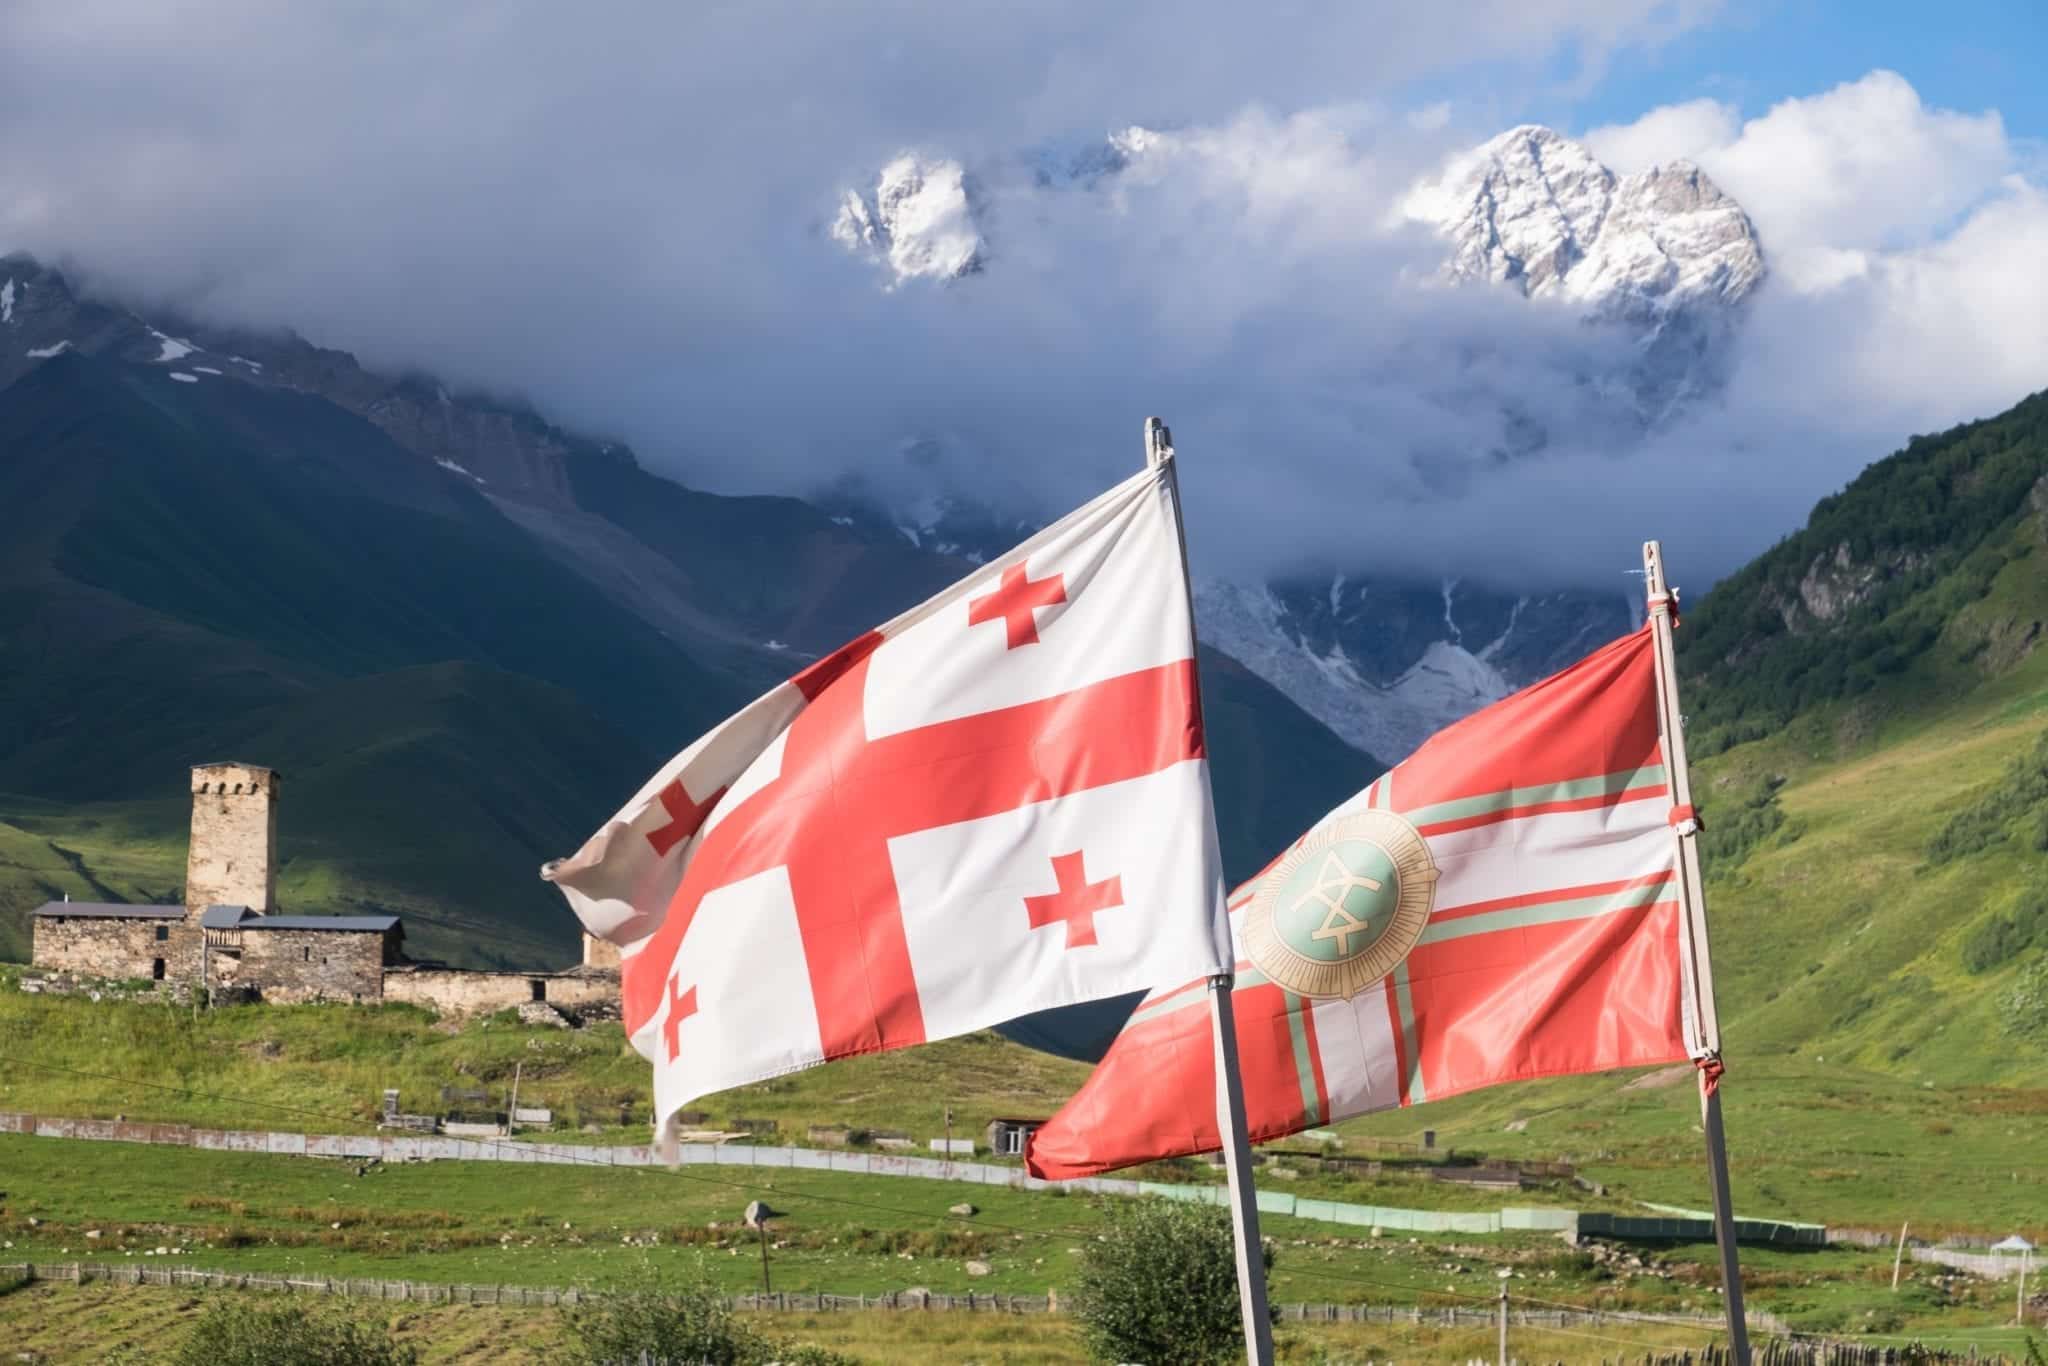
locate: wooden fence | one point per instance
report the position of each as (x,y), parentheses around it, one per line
(1770,1352)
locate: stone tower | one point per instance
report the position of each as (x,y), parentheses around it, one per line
(599,953)
(233,858)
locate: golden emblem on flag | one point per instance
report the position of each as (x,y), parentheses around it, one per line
(1340,910)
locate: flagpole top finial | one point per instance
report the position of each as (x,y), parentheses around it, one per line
(1158,441)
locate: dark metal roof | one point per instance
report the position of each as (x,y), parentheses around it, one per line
(111,911)
(373,924)
(223,917)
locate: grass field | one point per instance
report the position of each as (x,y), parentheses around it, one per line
(481,1223)
(64,1323)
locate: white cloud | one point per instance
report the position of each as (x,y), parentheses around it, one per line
(1693,131)
(1863,166)
(1909,249)
(627,215)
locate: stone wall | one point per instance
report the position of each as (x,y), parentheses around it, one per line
(232,860)
(113,946)
(454,991)
(313,965)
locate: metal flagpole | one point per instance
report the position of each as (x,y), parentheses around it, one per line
(1230,1121)
(1698,966)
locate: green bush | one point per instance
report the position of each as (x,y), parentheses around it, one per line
(2017,804)
(241,1332)
(2003,937)
(1735,829)
(1160,1286)
(684,1323)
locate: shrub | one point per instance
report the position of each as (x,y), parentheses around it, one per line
(2017,801)
(2002,937)
(1161,1285)
(1736,829)
(244,1333)
(670,1324)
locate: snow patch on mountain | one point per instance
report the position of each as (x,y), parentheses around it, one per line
(7,301)
(918,223)
(173,349)
(45,352)
(1251,624)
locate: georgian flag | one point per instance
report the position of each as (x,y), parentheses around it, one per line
(1502,905)
(998,803)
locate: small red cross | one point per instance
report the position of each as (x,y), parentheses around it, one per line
(680,1008)
(1016,601)
(1076,902)
(684,816)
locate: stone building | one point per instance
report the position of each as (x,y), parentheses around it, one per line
(93,939)
(300,957)
(227,934)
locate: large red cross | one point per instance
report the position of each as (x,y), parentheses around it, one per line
(684,816)
(1015,602)
(841,797)
(1076,902)
(681,1006)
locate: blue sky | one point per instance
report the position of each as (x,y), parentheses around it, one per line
(1967,55)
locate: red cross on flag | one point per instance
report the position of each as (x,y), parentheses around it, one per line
(996,804)
(1502,905)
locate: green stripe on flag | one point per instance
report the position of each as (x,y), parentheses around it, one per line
(1546,913)
(1576,789)
(1407,1008)
(1304,1065)
(1193,994)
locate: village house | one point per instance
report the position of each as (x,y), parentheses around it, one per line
(229,935)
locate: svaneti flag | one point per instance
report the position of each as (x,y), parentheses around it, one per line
(1502,905)
(997,803)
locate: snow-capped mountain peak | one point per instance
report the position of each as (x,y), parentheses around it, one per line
(918,222)
(1534,209)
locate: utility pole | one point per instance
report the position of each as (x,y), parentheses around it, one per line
(1504,1273)
(758,1214)
(1899,1256)
(512,1109)
(949,1140)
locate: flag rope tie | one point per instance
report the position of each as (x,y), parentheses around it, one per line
(1667,602)
(1685,819)
(1711,1067)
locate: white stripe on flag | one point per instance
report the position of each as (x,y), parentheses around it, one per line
(1355,1039)
(1550,852)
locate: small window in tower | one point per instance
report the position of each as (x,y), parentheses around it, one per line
(307,954)
(163,932)
(538,988)
(156,969)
